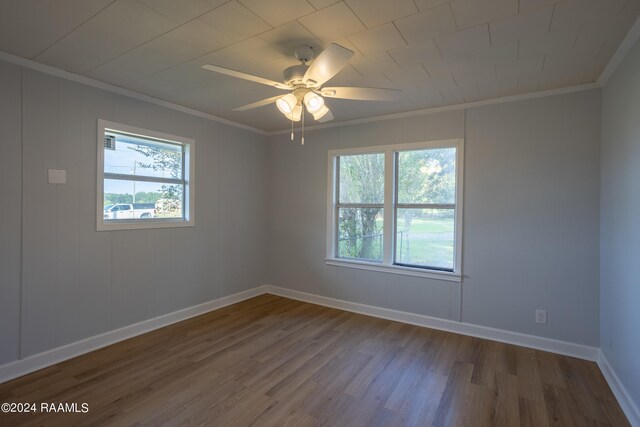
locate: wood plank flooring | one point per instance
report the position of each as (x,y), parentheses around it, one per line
(272,361)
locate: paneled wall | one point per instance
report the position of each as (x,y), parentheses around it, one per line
(530,226)
(73,282)
(297,220)
(10,210)
(620,224)
(531,216)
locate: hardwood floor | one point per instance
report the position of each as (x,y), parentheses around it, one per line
(271,361)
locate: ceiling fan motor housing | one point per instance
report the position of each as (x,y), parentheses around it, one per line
(294,74)
(304,53)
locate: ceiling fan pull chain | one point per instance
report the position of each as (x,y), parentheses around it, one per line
(302,140)
(292,126)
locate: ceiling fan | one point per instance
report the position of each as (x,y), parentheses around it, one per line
(304,83)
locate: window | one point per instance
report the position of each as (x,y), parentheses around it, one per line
(360,206)
(145,178)
(397,208)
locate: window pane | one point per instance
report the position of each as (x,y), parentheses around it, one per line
(360,233)
(142,157)
(152,200)
(362,178)
(425,237)
(427,176)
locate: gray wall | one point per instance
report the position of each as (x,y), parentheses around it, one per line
(531,224)
(297,220)
(76,282)
(531,210)
(531,230)
(10,210)
(620,223)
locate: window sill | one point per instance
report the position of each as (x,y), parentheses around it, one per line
(395,269)
(143,224)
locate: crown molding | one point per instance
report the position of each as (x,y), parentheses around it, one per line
(633,35)
(454,107)
(618,57)
(627,44)
(57,72)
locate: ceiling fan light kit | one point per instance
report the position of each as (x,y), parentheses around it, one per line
(322,114)
(305,85)
(313,102)
(296,114)
(286,104)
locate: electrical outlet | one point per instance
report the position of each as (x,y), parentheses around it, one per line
(541,317)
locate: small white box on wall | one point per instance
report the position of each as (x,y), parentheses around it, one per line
(57,176)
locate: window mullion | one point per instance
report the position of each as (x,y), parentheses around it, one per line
(389,214)
(336,209)
(185,205)
(142,178)
(360,205)
(425,206)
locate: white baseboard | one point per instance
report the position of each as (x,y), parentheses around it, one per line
(51,357)
(531,341)
(629,407)
(580,351)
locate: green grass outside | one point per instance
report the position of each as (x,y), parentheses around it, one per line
(427,241)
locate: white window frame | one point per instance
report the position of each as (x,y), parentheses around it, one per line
(188,171)
(390,205)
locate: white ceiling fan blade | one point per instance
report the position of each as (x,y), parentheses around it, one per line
(328,116)
(245,76)
(327,64)
(361,93)
(257,104)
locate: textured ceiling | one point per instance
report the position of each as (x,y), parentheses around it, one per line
(438,52)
